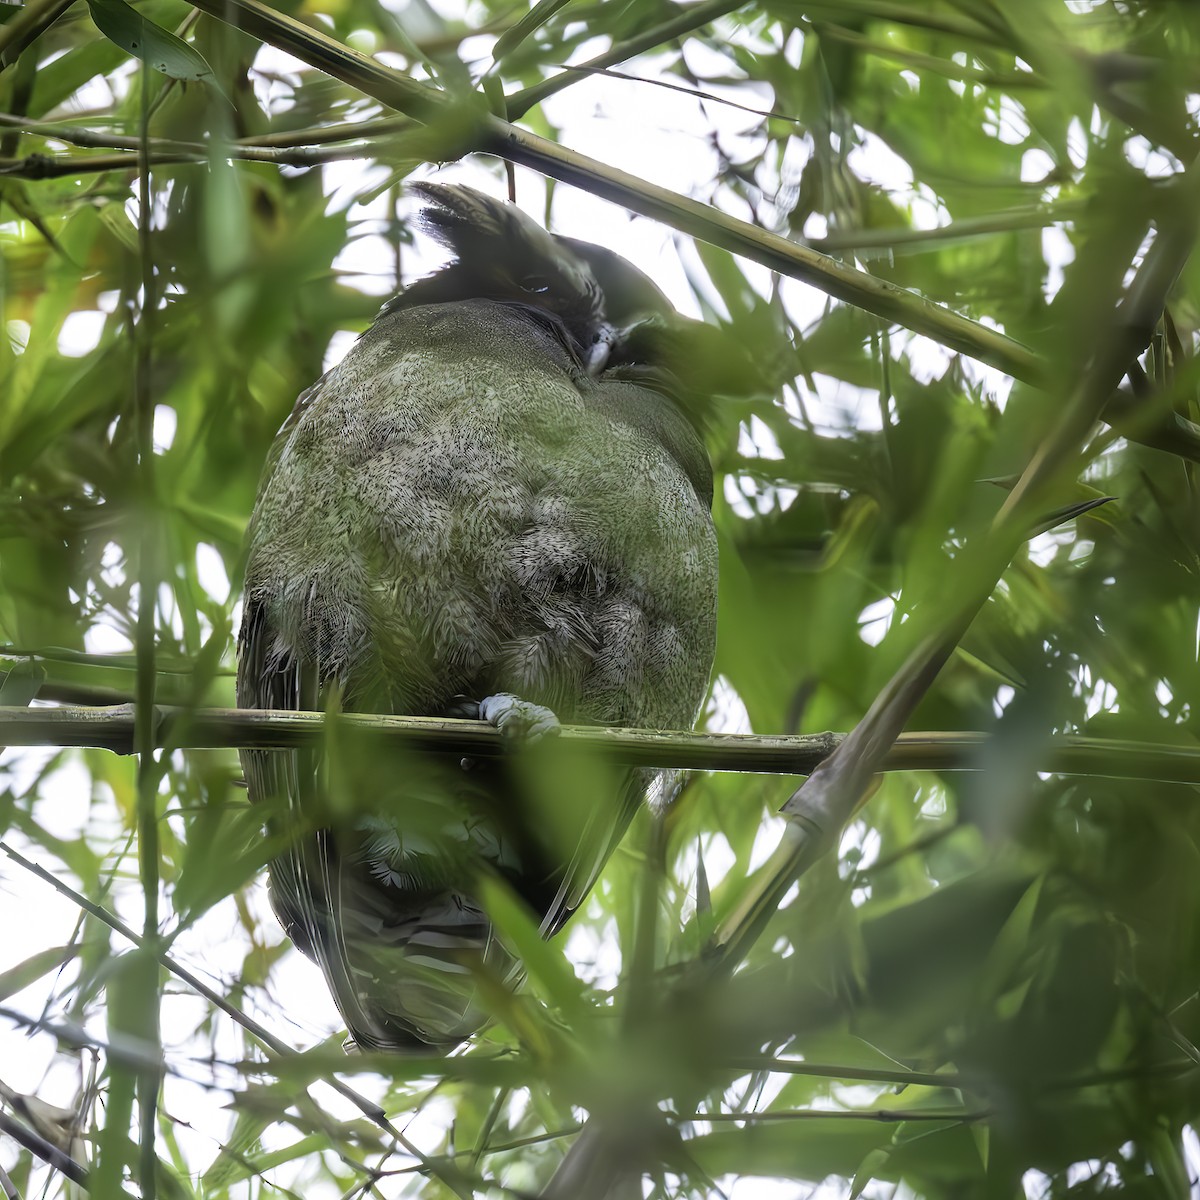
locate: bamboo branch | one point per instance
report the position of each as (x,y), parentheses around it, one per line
(883,299)
(920,16)
(422,101)
(65,166)
(149,770)
(263,147)
(27,25)
(111,728)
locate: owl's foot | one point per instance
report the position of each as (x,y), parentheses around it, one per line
(517,719)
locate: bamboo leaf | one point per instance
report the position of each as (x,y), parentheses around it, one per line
(150,43)
(18,978)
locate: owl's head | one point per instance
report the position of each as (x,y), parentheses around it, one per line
(611,314)
(501,253)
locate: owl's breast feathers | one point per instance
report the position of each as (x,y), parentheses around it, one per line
(473,501)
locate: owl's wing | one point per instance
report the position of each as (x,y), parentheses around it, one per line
(393,950)
(603,832)
(301,881)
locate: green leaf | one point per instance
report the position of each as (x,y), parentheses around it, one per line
(17,978)
(536,17)
(20,685)
(116,220)
(154,45)
(869,1167)
(549,972)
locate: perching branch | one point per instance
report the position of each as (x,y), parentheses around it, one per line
(238,728)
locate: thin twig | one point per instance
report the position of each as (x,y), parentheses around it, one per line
(887,1116)
(695,92)
(956,1080)
(10,1189)
(121,1049)
(905,239)
(693,17)
(46,1151)
(447,1174)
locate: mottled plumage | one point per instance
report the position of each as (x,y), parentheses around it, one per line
(494,492)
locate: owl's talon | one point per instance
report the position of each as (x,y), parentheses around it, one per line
(519,719)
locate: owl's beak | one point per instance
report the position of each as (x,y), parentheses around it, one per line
(600,349)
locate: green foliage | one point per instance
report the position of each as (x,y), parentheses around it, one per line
(991,987)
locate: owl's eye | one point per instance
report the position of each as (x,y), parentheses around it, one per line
(539,284)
